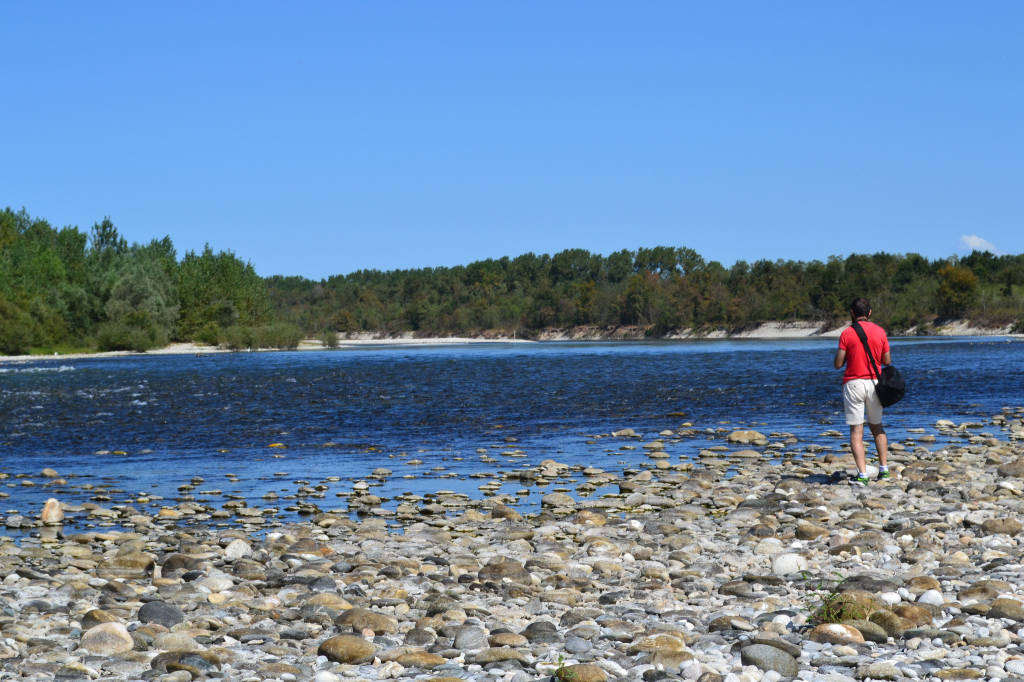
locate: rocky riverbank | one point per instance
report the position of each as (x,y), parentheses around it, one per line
(686,571)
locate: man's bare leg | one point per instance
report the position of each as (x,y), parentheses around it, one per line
(881,444)
(857,446)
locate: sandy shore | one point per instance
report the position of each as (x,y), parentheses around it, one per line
(308,344)
(767,331)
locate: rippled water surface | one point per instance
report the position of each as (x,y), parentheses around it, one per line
(148,424)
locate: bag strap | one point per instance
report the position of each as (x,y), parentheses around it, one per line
(864,340)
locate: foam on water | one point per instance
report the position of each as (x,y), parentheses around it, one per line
(36,369)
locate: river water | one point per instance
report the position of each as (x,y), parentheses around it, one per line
(442,417)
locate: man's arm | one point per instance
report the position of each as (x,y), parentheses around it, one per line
(840,358)
(886,358)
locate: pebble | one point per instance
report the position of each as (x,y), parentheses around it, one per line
(107,639)
(836,633)
(785,564)
(160,612)
(469,637)
(577,645)
(933,597)
(346,649)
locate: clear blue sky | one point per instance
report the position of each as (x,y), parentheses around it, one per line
(318,138)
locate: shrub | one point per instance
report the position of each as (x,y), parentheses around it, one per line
(329,339)
(280,335)
(285,335)
(122,336)
(835,608)
(236,337)
(209,334)
(261,337)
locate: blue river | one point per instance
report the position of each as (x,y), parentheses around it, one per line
(253,423)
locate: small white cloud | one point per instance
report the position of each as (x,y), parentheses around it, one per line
(972,242)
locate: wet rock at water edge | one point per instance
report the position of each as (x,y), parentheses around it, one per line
(53,513)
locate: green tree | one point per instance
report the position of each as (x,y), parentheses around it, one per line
(958,289)
(618,266)
(106,247)
(142,308)
(637,304)
(17,329)
(219,288)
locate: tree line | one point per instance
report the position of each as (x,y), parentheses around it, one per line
(662,289)
(68,289)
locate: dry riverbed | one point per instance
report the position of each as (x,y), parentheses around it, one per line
(685,572)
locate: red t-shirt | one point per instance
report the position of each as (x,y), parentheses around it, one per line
(857,366)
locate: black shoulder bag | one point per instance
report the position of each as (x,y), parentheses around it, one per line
(890,386)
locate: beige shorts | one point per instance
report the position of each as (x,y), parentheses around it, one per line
(858,395)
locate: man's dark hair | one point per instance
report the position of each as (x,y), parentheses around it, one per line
(860,307)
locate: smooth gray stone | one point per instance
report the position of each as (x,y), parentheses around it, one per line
(577,645)
(161,613)
(470,637)
(770,658)
(542,632)
(419,637)
(947,636)
(872,632)
(867,583)
(779,643)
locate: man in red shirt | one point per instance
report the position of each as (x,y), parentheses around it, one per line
(859,387)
